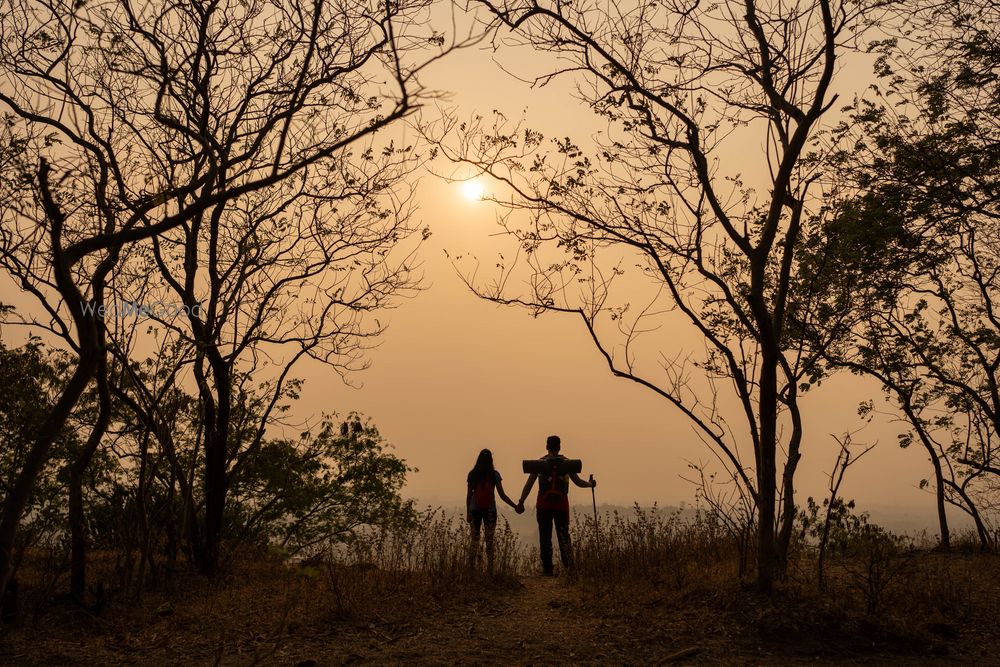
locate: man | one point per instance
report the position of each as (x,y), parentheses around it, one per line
(552,506)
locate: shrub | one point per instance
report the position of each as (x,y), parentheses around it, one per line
(650,542)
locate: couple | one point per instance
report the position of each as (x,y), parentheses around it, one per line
(552,506)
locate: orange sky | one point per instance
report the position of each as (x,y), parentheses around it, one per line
(455,374)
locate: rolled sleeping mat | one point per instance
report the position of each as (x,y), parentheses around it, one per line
(543,467)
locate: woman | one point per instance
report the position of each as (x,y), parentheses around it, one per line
(481,503)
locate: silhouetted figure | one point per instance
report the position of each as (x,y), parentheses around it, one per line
(481,504)
(552,506)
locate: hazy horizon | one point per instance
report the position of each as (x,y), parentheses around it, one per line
(455,374)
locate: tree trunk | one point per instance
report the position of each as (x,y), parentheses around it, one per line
(766,553)
(141,514)
(172,533)
(767,415)
(945,543)
(215,498)
(767,477)
(932,452)
(189,526)
(77,522)
(788,511)
(91,356)
(216,480)
(17,498)
(823,540)
(973,511)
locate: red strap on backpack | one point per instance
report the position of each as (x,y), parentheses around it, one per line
(554,498)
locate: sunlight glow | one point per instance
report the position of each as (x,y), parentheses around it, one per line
(473,189)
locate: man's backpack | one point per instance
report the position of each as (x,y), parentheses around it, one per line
(554,497)
(482,496)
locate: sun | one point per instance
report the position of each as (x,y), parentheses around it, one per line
(473,189)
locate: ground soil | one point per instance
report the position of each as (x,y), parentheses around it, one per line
(532,620)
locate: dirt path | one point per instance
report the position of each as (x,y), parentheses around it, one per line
(536,621)
(543,622)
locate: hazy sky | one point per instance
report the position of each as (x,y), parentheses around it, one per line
(455,374)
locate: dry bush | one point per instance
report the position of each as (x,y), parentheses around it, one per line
(652,544)
(429,558)
(646,572)
(842,553)
(875,576)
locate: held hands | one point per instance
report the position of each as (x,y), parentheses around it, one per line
(519,508)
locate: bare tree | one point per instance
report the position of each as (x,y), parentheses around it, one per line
(846,456)
(163,116)
(686,88)
(278,278)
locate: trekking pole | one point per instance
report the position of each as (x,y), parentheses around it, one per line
(593,497)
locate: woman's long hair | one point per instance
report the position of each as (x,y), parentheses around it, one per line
(483,470)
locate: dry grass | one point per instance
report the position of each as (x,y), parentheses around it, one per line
(428,559)
(651,543)
(646,585)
